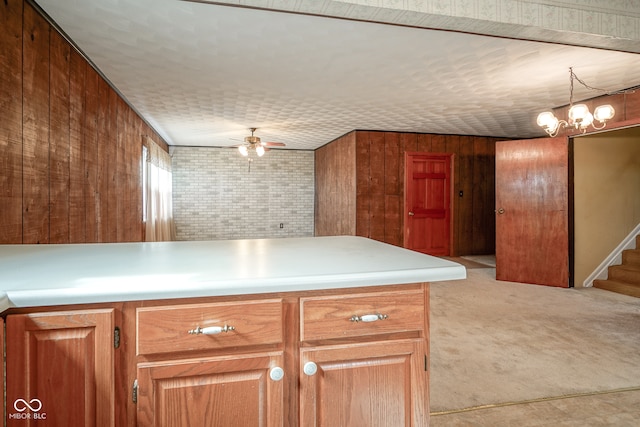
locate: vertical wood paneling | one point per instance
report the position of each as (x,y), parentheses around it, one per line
(11,122)
(59,139)
(363,191)
(111,144)
(335,184)
(453,146)
(377,185)
(392,190)
(102,177)
(70,147)
(423,142)
(324,164)
(77,210)
(630,105)
(122,136)
(136,221)
(392,220)
(484,224)
(134,144)
(380,186)
(463,222)
(35,127)
(128,173)
(392,163)
(90,135)
(406,142)
(439,144)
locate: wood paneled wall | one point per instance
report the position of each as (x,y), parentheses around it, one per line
(335,177)
(70,146)
(375,162)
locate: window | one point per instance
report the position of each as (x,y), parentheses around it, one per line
(157,193)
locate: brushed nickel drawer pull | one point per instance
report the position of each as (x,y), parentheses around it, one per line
(368,317)
(211,330)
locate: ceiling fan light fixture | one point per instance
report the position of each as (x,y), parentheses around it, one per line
(253,144)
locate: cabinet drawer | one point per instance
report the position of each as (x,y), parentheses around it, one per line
(365,314)
(175,328)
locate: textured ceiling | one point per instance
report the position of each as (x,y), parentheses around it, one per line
(202,74)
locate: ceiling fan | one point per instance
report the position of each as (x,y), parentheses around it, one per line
(254,143)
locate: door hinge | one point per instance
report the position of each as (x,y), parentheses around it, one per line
(134,390)
(116,337)
(426,363)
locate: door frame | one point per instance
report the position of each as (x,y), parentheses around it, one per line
(405,202)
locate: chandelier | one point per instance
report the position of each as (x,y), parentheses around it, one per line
(580,117)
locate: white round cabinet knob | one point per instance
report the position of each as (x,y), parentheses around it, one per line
(310,368)
(276,373)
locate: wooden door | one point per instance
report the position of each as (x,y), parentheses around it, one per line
(221,391)
(60,368)
(532,218)
(382,384)
(428,203)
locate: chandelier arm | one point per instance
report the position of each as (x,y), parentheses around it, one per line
(554,133)
(562,124)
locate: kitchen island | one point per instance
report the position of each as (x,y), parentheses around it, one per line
(269,332)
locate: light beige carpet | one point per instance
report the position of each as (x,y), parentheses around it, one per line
(496,342)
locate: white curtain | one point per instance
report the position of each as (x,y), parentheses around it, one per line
(158,194)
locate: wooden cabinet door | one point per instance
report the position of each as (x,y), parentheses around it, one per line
(381,384)
(60,368)
(234,390)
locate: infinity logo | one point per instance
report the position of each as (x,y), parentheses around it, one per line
(37,405)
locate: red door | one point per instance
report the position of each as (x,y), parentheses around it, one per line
(532,221)
(428,203)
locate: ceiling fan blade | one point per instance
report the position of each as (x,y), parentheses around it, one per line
(274,144)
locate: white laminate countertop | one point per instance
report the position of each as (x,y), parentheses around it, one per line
(45,275)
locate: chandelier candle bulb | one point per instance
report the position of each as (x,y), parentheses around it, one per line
(548,121)
(604,113)
(578,113)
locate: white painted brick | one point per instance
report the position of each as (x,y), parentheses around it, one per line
(216,197)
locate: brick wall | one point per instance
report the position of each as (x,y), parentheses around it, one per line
(215,196)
